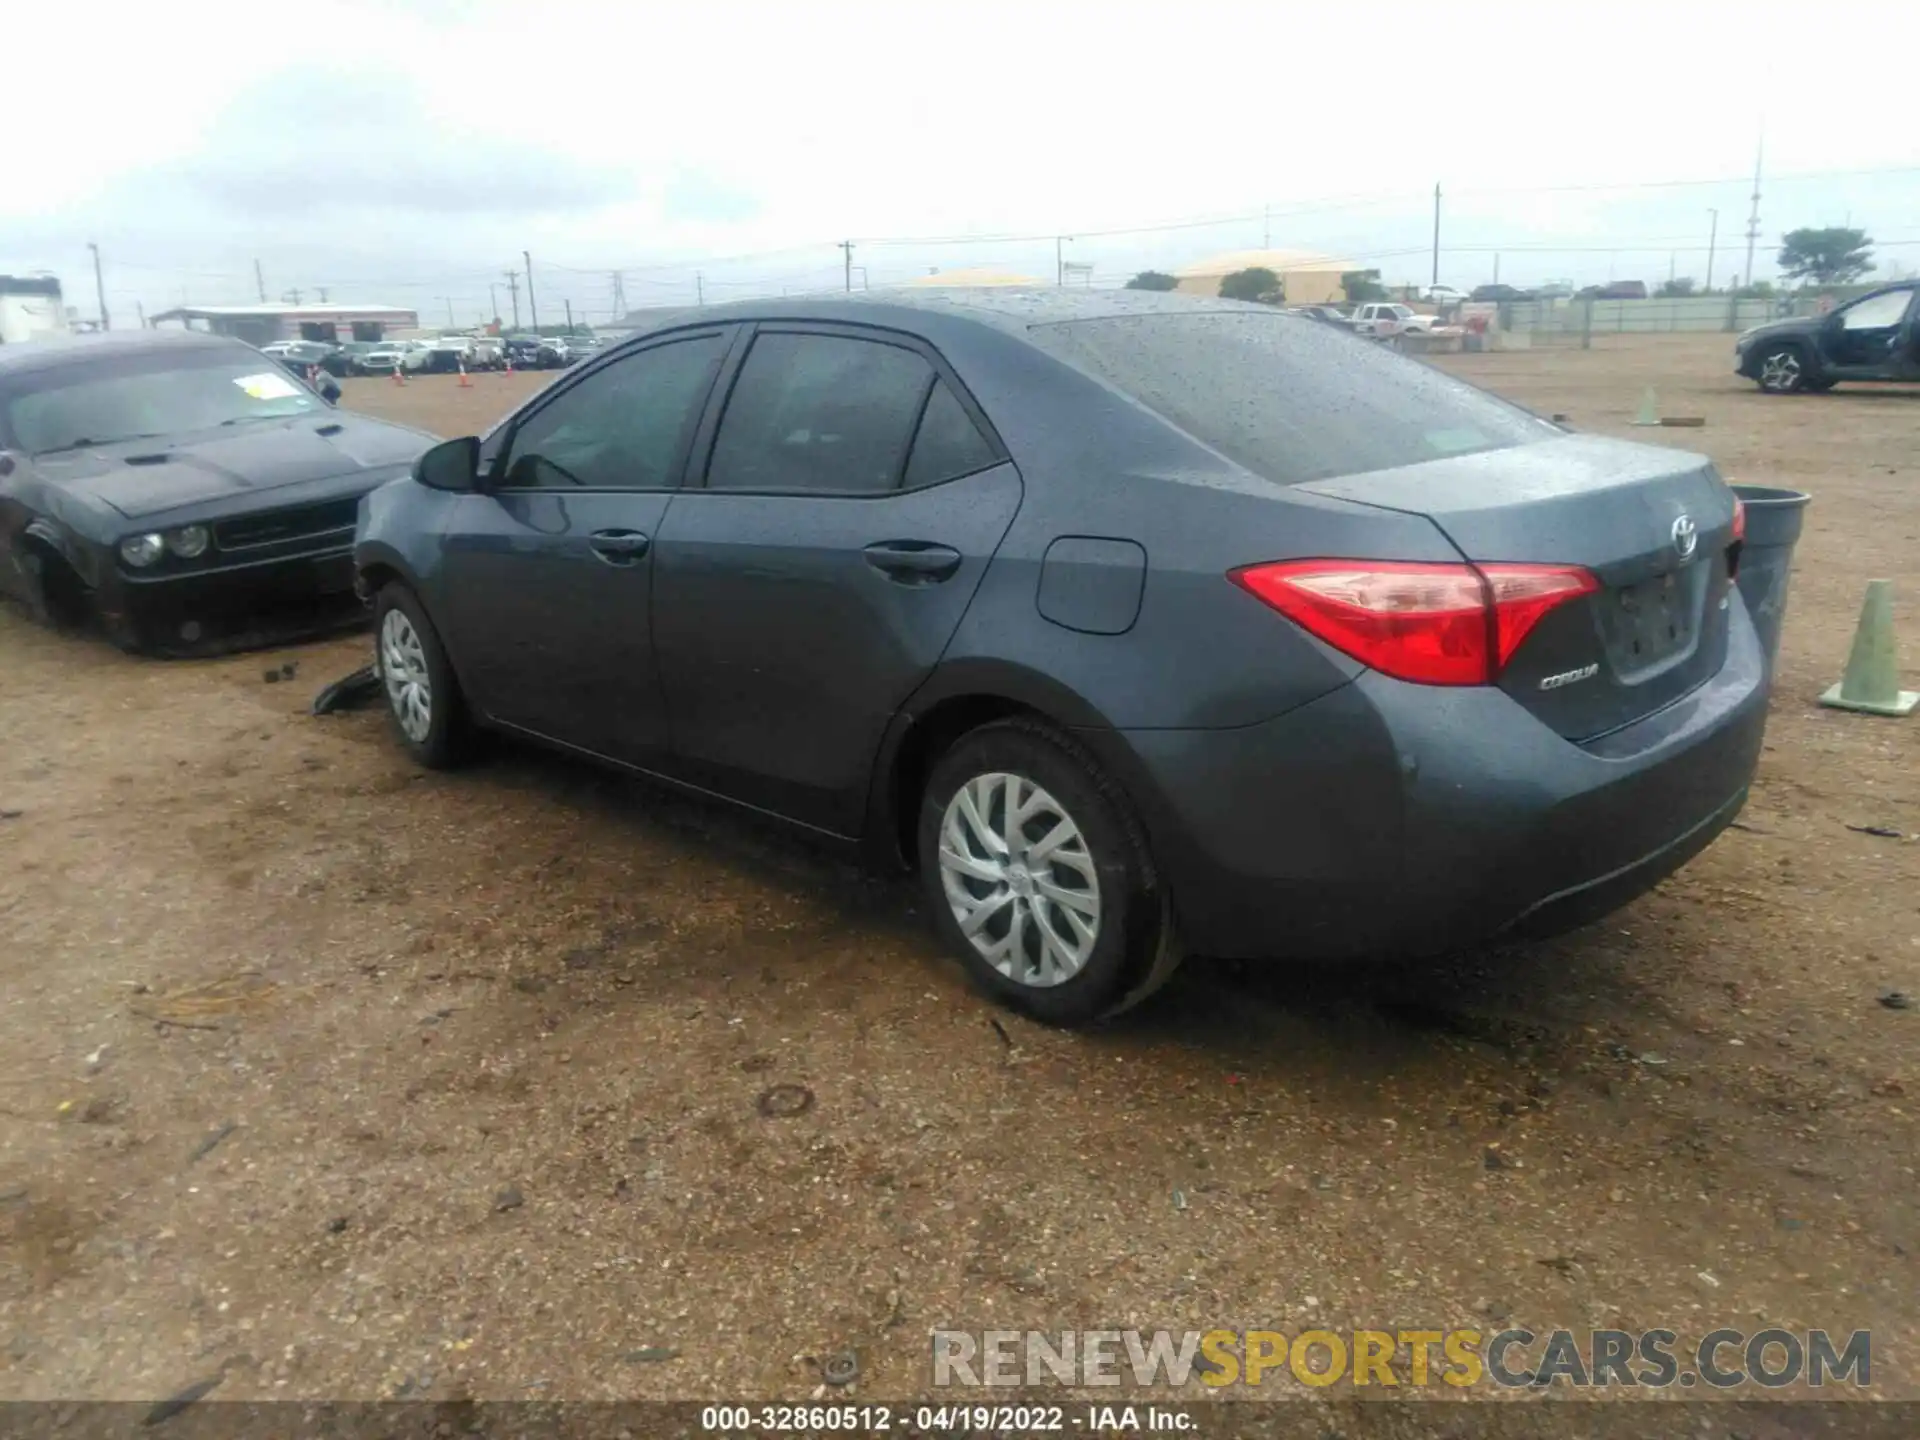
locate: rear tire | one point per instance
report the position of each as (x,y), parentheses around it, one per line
(1783,370)
(422,695)
(1056,909)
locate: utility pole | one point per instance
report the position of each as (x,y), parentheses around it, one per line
(533,308)
(1753,216)
(450,320)
(513,290)
(846,251)
(260,282)
(1713,235)
(99,285)
(323,294)
(493,301)
(141,311)
(1060,259)
(619,295)
(569,305)
(290,297)
(699,288)
(1436,233)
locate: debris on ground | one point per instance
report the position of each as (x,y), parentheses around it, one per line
(508,1199)
(206,1146)
(348,692)
(841,1369)
(181,1399)
(782,1102)
(1884,832)
(1897,1000)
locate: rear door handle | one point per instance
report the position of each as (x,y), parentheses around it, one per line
(619,547)
(913,562)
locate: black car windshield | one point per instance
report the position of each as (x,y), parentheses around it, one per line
(131,396)
(1292,400)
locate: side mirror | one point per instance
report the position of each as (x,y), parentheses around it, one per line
(450,465)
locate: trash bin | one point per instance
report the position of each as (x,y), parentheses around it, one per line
(1774,518)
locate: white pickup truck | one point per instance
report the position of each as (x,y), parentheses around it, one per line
(1384,320)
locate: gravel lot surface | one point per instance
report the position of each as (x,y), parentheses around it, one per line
(352,1081)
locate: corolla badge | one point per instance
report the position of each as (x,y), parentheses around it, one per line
(1686,537)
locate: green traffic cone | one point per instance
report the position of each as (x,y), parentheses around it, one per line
(1872,680)
(1649,409)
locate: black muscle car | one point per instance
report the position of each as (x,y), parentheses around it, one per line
(184,490)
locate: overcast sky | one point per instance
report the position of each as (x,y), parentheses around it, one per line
(406,153)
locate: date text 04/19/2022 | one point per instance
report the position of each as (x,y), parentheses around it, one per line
(945,1419)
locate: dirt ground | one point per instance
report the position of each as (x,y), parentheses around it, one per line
(350,1081)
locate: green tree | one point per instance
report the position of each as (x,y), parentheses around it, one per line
(1152,280)
(1256,282)
(1362,286)
(1829,255)
(1759,290)
(1674,289)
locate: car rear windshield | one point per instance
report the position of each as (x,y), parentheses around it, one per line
(127,397)
(1290,399)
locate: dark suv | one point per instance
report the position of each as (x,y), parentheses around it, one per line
(1876,337)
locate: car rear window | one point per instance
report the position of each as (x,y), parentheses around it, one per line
(1290,399)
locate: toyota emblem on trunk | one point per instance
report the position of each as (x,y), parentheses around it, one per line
(1686,537)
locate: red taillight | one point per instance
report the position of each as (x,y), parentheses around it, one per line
(1431,624)
(1739,521)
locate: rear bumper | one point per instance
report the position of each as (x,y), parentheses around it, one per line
(1388,819)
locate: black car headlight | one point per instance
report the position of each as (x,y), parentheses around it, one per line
(141,551)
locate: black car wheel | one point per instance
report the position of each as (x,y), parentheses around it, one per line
(1039,878)
(1783,370)
(423,696)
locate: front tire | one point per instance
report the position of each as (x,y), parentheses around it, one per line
(1038,876)
(1783,370)
(423,696)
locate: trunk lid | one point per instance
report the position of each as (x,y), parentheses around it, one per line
(1653,525)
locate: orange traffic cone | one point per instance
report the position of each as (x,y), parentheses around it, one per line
(465,383)
(509,369)
(399,378)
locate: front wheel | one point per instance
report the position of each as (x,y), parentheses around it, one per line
(423,697)
(1783,370)
(1038,876)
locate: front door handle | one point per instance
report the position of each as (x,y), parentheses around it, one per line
(619,547)
(913,562)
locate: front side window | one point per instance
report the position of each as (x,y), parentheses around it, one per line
(621,428)
(1877,312)
(820,412)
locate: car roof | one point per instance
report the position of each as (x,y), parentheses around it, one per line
(1011,310)
(54,351)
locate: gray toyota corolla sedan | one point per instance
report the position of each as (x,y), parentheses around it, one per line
(1138,624)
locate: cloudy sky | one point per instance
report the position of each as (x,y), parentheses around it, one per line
(407,153)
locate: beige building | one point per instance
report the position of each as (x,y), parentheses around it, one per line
(1308,277)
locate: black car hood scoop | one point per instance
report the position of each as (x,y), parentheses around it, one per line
(138,480)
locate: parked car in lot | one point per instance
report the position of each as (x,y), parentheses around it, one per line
(183,489)
(1876,337)
(304,355)
(1138,623)
(1498,295)
(1444,295)
(1616,290)
(380,357)
(1385,320)
(523,351)
(1325,314)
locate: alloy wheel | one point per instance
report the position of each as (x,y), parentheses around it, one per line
(403,667)
(1020,878)
(1780,371)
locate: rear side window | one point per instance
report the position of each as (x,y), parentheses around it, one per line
(948,444)
(1291,400)
(819,412)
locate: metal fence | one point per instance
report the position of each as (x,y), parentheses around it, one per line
(1575,322)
